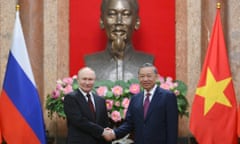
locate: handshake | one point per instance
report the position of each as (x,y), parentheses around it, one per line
(108,134)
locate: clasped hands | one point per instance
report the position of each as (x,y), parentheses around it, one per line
(108,134)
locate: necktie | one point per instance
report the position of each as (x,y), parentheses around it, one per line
(146,104)
(90,103)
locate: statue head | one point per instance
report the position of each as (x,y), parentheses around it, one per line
(119,18)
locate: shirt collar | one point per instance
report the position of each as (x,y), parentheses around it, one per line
(84,93)
(151,91)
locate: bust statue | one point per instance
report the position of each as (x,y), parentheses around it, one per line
(119,60)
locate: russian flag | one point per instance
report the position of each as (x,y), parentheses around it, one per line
(21,117)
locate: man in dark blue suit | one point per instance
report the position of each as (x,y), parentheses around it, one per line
(86,112)
(157,124)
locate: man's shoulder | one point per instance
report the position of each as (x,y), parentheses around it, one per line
(72,94)
(98,97)
(167,94)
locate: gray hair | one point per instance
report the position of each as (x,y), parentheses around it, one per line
(134,3)
(148,65)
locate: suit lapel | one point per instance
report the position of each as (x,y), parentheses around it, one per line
(82,101)
(97,107)
(140,104)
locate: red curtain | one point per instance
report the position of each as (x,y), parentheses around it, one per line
(155,36)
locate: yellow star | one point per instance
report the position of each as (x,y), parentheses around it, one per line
(213,92)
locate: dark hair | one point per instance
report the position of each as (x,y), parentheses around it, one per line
(148,65)
(134,3)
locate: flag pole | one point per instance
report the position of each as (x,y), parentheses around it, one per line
(218,5)
(17,7)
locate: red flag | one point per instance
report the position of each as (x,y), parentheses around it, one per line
(213,118)
(238,127)
(0,136)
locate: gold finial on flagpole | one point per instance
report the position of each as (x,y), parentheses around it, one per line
(218,5)
(17,7)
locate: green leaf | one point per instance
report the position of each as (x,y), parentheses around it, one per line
(75,85)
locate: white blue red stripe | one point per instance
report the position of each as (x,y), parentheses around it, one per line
(21,118)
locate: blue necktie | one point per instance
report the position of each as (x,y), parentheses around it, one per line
(146,104)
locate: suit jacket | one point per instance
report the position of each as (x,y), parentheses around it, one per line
(105,66)
(83,128)
(161,123)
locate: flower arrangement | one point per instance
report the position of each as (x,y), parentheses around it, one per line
(117,95)
(54,103)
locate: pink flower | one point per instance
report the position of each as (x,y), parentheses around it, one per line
(134,88)
(125,103)
(161,79)
(115,116)
(55,94)
(59,86)
(169,79)
(117,104)
(68,81)
(117,90)
(165,86)
(55,99)
(102,91)
(67,89)
(109,104)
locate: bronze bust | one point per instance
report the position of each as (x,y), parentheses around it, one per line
(119,61)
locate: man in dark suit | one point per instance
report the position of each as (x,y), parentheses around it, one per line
(119,61)
(86,112)
(157,124)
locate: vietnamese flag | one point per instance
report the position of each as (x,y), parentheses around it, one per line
(238,129)
(213,118)
(0,136)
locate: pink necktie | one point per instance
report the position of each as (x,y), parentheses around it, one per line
(146,104)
